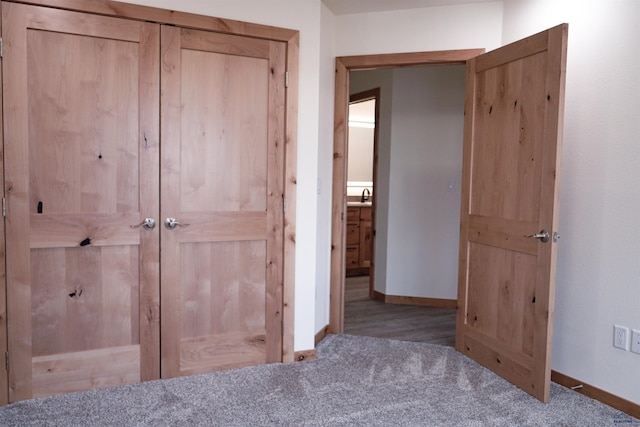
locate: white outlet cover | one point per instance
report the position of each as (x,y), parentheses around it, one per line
(635,341)
(621,337)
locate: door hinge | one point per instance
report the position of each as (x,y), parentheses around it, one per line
(341,216)
(286,79)
(6,360)
(4,207)
(282,327)
(284,205)
(0,47)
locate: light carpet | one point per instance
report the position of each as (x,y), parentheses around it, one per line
(355,381)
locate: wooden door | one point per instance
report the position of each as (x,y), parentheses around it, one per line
(513,134)
(222,180)
(81,106)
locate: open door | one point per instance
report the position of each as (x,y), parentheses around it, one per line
(512,145)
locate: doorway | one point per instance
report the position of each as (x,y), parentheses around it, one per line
(362,166)
(344,66)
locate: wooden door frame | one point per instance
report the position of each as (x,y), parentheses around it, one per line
(344,65)
(4,373)
(227,26)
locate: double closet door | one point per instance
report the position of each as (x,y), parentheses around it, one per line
(144,200)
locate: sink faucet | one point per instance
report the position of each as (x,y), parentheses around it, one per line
(365,195)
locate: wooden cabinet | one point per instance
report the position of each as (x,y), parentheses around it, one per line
(359,232)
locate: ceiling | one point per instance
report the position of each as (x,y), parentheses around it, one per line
(346,7)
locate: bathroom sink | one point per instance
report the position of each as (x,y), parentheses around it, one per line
(359,204)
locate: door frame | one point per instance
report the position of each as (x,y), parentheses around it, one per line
(344,65)
(220,25)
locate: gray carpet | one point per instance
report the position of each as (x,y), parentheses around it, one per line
(354,381)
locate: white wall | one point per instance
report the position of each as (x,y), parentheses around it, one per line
(467,26)
(325,169)
(420,151)
(359,82)
(598,282)
(305,16)
(426,154)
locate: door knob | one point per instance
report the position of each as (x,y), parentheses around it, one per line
(543,235)
(172,223)
(147,224)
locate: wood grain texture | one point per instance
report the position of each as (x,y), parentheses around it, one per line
(4,375)
(338,203)
(223,179)
(169,194)
(16,133)
(205,354)
(84,299)
(339,199)
(149,159)
(513,113)
(222,288)
(276,159)
(74,145)
(57,374)
(290,191)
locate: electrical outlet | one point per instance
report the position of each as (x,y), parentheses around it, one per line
(635,341)
(620,337)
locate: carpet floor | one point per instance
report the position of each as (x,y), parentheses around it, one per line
(354,381)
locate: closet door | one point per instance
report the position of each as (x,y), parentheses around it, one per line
(221,200)
(81,103)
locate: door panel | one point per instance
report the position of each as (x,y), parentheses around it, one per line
(222,163)
(513,134)
(81,171)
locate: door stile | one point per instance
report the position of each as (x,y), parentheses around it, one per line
(170,158)
(465,194)
(158,58)
(4,375)
(17,195)
(275,203)
(549,212)
(149,146)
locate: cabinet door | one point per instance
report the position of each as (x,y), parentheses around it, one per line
(222,180)
(81,144)
(353,234)
(352,256)
(365,244)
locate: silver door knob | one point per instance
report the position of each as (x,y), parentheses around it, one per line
(172,223)
(148,224)
(543,235)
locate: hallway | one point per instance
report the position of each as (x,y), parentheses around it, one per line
(367,317)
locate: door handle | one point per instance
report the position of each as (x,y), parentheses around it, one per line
(543,235)
(172,223)
(148,224)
